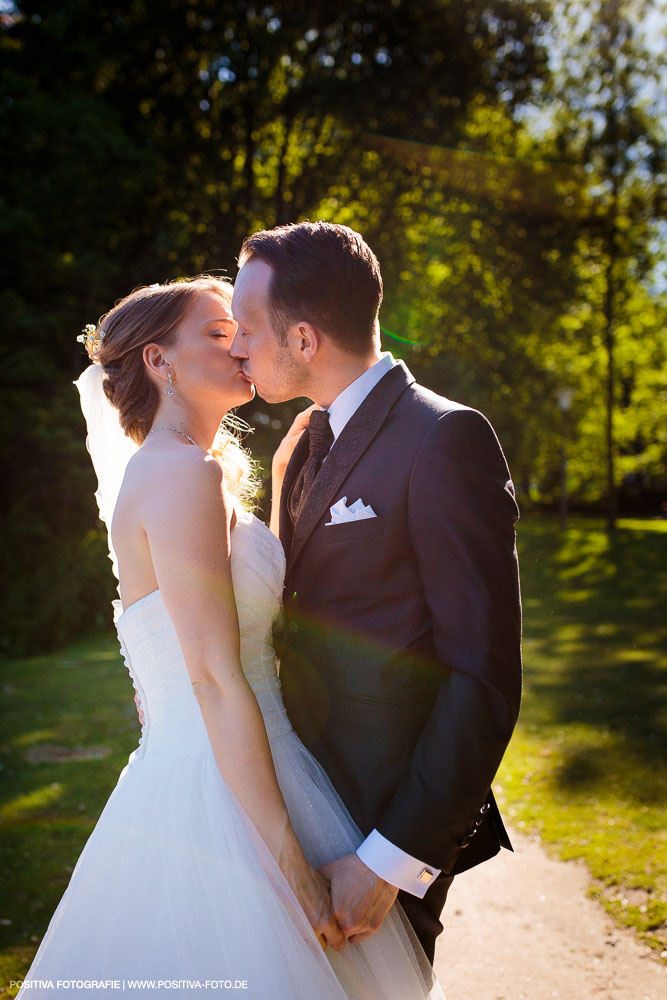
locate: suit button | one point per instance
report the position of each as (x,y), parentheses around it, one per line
(293,628)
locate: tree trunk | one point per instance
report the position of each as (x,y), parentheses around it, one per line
(609,341)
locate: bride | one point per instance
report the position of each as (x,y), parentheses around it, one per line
(201,873)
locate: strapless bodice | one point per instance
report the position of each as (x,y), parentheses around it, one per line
(173,723)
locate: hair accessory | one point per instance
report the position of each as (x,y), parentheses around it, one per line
(91,337)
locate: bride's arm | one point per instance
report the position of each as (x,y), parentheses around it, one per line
(280,461)
(187,527)
(277,476)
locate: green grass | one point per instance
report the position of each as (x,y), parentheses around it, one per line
(79,697)
(586,768)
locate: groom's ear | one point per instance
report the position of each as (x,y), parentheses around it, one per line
(305,340)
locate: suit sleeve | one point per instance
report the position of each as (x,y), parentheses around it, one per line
(461,512)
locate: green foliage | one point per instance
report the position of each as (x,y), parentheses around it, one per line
(57,581)
(610,118)
(143,141)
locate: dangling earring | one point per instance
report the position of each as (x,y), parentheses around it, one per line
(170,390)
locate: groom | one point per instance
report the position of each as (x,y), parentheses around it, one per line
(400,659)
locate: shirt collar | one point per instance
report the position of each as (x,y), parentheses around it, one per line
(350,399)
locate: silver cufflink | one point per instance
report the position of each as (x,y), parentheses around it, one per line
(425,875)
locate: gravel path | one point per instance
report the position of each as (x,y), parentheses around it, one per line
(521,927)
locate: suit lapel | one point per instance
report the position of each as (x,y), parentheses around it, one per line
(353,441)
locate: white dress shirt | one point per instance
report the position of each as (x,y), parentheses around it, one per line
(387,860)
(347,402)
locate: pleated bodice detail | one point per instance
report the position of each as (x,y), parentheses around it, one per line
(173,724)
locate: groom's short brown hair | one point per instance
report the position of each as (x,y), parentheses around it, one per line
(324,274)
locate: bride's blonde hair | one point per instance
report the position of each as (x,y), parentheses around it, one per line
(152,314)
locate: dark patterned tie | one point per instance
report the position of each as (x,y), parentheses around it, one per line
(320,440)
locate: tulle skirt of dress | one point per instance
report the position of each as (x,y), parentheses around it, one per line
(175,888)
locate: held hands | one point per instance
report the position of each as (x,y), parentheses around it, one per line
(360,899)
(312,891)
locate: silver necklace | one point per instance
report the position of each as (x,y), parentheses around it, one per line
(176,431)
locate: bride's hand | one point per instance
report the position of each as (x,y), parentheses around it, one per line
(288,444)
(140,711)
(312,891)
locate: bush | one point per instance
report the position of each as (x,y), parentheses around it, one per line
(56,578)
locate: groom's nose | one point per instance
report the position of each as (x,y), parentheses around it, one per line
(236,348)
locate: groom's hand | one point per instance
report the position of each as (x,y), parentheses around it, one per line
(359,898)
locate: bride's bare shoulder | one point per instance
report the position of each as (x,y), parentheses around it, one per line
(173,470)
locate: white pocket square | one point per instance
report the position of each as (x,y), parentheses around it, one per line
(357,511)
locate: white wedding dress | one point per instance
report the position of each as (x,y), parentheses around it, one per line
(174,885)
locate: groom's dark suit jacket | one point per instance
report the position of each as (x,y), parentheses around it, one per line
(400,650)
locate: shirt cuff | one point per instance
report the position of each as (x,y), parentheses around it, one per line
(393,865)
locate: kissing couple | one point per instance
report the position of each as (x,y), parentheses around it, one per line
(295,832)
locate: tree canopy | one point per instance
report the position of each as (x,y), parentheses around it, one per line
(465,139)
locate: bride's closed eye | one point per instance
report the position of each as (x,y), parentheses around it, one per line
(227,329)
(223,328)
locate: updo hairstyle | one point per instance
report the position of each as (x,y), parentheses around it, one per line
(152,314)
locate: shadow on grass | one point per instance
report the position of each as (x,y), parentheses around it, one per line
(595,649)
